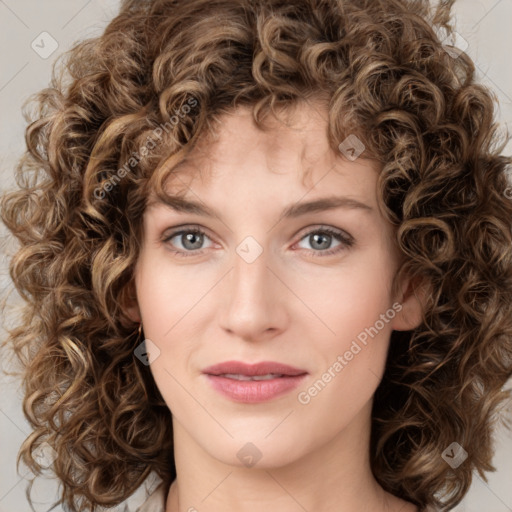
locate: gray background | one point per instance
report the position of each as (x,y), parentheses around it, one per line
(484,24)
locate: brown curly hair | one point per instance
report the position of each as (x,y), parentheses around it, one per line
(383,71)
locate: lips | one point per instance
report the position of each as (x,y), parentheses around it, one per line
(251,370)
(253,383)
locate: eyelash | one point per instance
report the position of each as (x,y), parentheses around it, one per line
(346,241)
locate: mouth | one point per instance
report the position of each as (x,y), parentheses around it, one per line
(244,383)
(261,371)
(238,376)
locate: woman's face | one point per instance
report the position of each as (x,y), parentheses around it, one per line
(258,286)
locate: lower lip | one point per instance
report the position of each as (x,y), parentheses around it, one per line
(254,391)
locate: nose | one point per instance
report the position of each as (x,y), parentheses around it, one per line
(254,298)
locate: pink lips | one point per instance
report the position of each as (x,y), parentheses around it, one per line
(253,391)
(252,369)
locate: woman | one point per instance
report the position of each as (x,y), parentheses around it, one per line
(181,318)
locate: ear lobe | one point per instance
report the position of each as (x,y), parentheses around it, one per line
(129,304)
(133,313)
(413,302)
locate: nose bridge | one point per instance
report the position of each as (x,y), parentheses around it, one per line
(251,307)
(250,273)
(250,267)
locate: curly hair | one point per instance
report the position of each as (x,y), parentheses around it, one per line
(166,70)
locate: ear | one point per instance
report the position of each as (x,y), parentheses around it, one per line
(412,299)
(129,304)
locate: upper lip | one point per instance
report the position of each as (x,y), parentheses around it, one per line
(240,368)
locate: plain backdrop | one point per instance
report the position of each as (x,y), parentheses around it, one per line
(25,67)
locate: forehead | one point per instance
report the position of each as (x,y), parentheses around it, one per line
(295,144)
(295,141)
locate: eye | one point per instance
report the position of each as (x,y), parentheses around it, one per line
(191,242)
(192,239)
(321,239)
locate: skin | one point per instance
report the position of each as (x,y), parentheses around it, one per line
(291,305)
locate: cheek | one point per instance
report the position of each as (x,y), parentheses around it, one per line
(351,353)
(174,311)
(167,294)
(349,299)
(354,306)
(163,300)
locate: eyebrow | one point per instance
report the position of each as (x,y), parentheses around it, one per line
(180,204)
